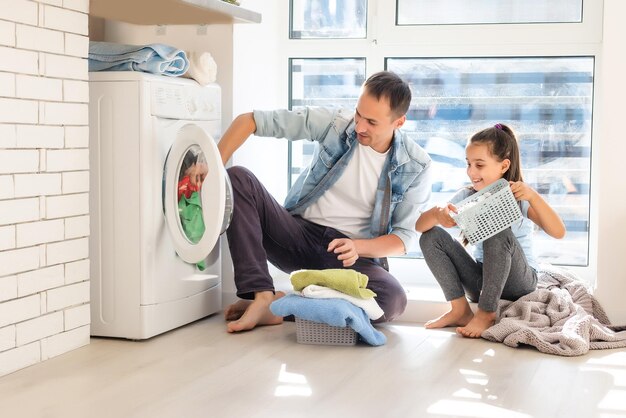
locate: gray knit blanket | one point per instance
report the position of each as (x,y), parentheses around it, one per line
(561,317)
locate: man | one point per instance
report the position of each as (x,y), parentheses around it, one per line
(355,204)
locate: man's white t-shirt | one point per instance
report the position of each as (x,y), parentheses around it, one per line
(347,205)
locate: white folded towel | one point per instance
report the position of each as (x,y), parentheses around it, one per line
(370,306)
(202,67)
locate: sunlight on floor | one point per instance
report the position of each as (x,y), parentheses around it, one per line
(474,377)
(291,384)
(613,401)
(488,353)
(613,364)
(466,394)
(452,408)
(617,358)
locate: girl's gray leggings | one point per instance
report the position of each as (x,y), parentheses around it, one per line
(503,274)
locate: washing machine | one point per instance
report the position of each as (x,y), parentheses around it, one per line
(159,201)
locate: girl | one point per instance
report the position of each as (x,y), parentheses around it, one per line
(503,265)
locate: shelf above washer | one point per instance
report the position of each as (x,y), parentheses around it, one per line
(172,12)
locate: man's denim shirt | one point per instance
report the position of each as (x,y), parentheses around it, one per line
(402,194)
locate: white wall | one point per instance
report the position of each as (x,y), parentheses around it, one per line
(611,188)
(260,74)
(44,180)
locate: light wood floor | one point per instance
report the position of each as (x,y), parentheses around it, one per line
(201,371)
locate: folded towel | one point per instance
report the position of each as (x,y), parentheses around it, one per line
(202,68)
(153,58)
(347,281)
(370,306)
(334,312)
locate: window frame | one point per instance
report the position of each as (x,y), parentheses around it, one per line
(386,40)
(450,3)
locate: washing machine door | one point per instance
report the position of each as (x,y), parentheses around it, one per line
(197,195)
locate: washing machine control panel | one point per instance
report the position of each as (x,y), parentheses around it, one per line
(185,101)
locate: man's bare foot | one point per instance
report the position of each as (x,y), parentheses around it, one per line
(235,311)
(256,313)
(460,314)
(481,321)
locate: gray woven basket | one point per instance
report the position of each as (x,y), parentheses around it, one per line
(487,212)
(310,332)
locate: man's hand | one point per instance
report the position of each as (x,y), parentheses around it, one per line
(197,174)
(346,249)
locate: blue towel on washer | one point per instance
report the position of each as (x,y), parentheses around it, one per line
(153,58)
(335,312)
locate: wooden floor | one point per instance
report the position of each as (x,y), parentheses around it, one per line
(201,371)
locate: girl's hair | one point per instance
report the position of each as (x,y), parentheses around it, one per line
(502,145)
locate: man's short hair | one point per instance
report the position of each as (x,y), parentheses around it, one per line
(389,85)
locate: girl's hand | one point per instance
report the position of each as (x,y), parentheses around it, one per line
(346,249)
(443,215)
(437,215)
(522,191)
(540,212)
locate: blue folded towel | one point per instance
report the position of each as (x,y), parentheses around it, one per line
(154,58)
(335,312)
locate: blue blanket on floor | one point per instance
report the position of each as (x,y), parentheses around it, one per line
(335,312)
(154,58)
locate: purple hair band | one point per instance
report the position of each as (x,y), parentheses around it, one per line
(498,126)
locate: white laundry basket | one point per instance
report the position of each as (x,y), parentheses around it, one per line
(487,212)
(310,332)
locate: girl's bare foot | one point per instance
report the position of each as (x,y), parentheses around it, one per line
(451,318)
(256,313)
(460,314)
(481,321)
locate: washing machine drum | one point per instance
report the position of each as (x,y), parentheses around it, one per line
(197,195)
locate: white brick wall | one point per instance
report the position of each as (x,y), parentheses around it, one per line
(39,136)
(7,33)
(44,180)
(6,188)
(7,338)
(37,281)
(8,288)
(7,136)
(7,84)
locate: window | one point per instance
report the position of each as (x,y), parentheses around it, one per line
(446,12)
(321,82)
(469,69)
(327,19)
(547,101)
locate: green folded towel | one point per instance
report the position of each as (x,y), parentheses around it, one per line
(348,281)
